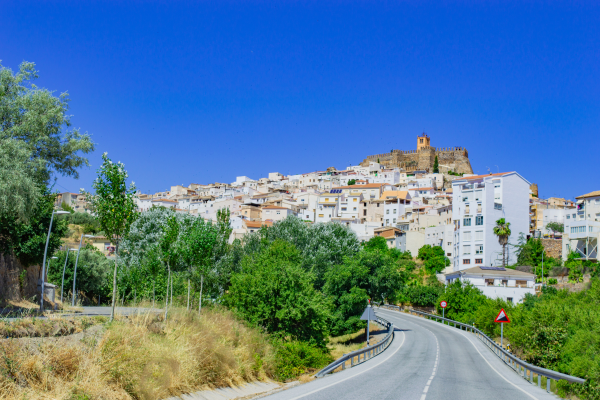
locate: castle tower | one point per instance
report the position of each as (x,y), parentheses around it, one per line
(423,141)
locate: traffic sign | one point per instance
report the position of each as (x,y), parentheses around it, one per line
(443,304)
(502,317)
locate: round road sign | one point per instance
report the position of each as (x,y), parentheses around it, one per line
(443,304)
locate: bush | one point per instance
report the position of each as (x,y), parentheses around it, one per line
(295,358)
(422,296)
(274,292)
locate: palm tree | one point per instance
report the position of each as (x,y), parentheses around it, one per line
(502,230)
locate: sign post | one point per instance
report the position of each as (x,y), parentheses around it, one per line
(443,304)
(368,315)
(502,319)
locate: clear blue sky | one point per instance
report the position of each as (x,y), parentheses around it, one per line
(205,91)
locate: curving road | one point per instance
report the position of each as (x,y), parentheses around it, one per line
(426,361)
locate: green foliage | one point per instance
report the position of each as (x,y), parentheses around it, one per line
(276,293)
(295,358)
(463,300)
(67,207)
(575,266)
(113,203)
(352,182)
(40,122)
(502,230)
(436,166)
(428,252)
(530,253)
(20,188)
(370,274)
(555,227)
(321,245)
(28,240)
(93,271)
(422,296)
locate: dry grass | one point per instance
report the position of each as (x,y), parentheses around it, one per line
(51,327)
(141,357)
(345,344)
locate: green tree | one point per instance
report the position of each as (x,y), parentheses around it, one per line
(555,227)
(93,271)
(41,123)
(352,182)
(436,166)
(275,292)
(575,265)
(502,230)
(170,253)
(114,205)
(20,188)
(200,240)
(27,239)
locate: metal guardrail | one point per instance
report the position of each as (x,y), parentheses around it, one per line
(367,353)
(524,369)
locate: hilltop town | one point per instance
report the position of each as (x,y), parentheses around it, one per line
(411,198)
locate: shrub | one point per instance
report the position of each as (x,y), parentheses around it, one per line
(295,358)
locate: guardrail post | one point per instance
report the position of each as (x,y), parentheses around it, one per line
(531,376)
(539,381)
(548,380)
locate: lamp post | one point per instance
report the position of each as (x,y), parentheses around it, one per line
(58,212)
(76,260)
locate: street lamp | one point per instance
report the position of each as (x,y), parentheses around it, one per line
(76,260)
(58,212)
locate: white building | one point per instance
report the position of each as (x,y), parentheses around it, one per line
(588,206)
(395,203)
(582,237)
(497,282)
(443,236)
(275,213)
(478,202)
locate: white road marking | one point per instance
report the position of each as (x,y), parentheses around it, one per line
(355,375)
(484,359)
(435,365)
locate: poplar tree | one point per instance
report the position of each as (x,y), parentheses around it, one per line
(114,206)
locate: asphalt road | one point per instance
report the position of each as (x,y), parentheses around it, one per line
(426,360)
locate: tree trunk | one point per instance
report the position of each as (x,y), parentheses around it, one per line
(200,297)
(188,305)
(134,296)
(153,294)
(504,255)
(167,296)
(171,292)
(114,297)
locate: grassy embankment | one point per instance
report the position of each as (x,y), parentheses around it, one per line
(143,357)
(139,357)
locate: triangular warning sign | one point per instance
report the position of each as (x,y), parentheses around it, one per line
(502,317)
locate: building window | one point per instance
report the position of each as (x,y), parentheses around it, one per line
(321,215)
(479,220)
(467,236)
(449,254)
(479,261)
(489,282)
(467,250)
(377,206)
(504,282)
(478,235)
(509,299)
(568,216)
(466,261)
(479,249)
(394,222)
(521,283)
(449,243)
(467,222)
(387,221)
(386,211)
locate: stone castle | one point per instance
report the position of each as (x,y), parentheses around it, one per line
(454,159)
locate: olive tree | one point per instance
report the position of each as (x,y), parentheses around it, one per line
(114,206)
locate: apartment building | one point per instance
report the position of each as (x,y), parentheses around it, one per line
(443,236)
(328,206)
(395,203)
(478,201)
(582,227)
(275,213)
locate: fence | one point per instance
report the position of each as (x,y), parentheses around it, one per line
(367,353)
(524,369)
